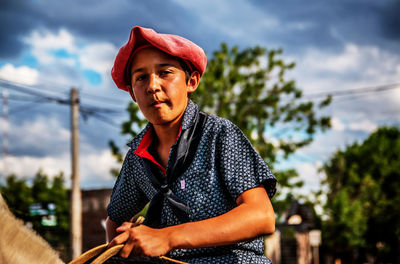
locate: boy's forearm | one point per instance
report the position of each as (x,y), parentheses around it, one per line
(240,224)
(254,216)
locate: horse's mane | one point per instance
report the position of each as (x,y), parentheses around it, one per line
(20,244)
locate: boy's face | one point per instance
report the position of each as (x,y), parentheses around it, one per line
(159,86)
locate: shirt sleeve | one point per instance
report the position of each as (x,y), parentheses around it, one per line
(126,199)
(240,166)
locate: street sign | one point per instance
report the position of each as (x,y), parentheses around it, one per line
(42,209)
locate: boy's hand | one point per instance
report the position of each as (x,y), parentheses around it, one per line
(141,240)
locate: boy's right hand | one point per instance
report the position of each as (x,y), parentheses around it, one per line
(141,240)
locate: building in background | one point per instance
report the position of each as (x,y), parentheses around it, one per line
(94,214)
(295,241)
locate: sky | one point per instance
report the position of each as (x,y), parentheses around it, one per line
(52,46)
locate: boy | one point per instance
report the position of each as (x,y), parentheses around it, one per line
(209,191)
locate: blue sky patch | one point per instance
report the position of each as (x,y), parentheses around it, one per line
(92,77)
(30,61)
(62,53)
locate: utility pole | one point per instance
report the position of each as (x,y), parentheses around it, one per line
(76,198)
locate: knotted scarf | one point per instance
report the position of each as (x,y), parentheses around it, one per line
(182,157)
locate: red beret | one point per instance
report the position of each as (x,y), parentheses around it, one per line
(174,45)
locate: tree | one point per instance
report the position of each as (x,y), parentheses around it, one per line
(363,198)
(249,88)
(20,197)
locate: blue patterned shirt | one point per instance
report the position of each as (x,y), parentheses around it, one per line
(224,166)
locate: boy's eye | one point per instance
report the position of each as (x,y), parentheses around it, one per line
(140,77)
(165,72)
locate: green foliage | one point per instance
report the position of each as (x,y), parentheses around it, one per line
(364,195)
(19,196)
(249,87)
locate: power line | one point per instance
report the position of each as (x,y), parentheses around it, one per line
(13,97)
(41,88)
(40,97)
(346,92)
(91,109)
(104,119)
(65,91)
(101,98)
(27,90)
(26,107)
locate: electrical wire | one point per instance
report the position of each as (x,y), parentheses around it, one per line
(41,88)
(23,108)
(104,119)
(100,98)
(40,97)
(353,91)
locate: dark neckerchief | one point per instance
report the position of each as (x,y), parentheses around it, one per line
(182,156)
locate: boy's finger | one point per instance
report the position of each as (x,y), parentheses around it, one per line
(120,239)
(124,227)
(130,249)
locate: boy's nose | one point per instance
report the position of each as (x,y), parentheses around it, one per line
(154,84)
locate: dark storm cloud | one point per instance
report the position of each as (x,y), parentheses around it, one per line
(328,23)
(16,20)
(391,21)
(109,21)
(98,20)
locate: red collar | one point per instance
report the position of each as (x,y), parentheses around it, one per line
(142,149)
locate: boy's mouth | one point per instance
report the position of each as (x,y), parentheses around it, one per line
(157,103)
(158,100)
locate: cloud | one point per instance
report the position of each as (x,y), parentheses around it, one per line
(45,45)
(364,125)
(364,62)
(94,167)
(64,59)
(354,67)
(98,57)
(22,74)
(16,20)
(39,137)
(309,173)
(337,124)
(329,25)
(43,143)
(62,49)
(27,166)
(287,23)
(231,20)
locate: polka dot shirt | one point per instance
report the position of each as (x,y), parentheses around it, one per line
(224,166)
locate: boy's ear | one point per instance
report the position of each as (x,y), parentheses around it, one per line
(193,82)
(131,93)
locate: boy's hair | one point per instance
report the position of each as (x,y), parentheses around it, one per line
(185,68)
